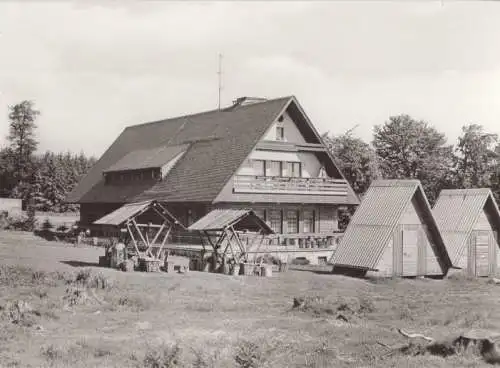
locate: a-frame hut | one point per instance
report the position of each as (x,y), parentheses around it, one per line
(469,221)
(392,233)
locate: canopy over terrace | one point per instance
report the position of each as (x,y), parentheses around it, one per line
(145,222)
(222,226)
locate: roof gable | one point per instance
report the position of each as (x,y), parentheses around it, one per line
(376,218)
(457,211)
(311,135)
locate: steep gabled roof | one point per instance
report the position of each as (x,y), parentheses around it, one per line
(457,211)
(375,219)
(219,142)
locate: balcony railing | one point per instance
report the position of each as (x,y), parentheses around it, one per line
(289,185)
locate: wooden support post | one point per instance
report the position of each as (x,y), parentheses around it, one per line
(148,250)
(238,240)
(158,233)
(163,242)
(133,239)
(230,245)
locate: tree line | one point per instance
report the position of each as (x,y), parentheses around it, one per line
(401,148)
(42,180)
(407,148)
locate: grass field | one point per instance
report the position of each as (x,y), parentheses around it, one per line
(108,318)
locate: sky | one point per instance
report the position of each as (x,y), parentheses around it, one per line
(93,68)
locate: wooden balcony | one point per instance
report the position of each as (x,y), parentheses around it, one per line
(289,185)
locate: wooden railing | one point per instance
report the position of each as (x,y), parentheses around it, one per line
(289,185)
(301,240)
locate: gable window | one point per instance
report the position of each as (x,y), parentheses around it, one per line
(280,133)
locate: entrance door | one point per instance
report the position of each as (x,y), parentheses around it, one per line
(410,250)
(409,256)
(482,253)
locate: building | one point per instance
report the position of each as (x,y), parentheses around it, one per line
(260,154)
(392,233)
(469,222)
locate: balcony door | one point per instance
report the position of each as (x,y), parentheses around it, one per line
(273,168)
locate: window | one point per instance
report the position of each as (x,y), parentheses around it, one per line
(275,221)
(292,169)
(322,261)
(308,222)
(292,222)
(273,168)
(280,133)
(259,167)
(189,217)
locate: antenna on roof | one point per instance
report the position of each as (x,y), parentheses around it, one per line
(219,72)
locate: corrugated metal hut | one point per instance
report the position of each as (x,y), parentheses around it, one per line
(392,233)
(469,221)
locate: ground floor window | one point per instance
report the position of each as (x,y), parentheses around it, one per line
(308,219)
(292,221)
(275,221)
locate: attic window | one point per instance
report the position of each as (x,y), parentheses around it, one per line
(280,133)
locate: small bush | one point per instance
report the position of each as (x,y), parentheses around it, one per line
(249,355)
(38,276)
(85,278)
(19,223)
(165,357)
(135,303)
(47,225)
(205,360)
(51,353)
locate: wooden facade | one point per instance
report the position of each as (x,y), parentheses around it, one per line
(409,251)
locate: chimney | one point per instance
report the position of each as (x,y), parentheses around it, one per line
(243,101)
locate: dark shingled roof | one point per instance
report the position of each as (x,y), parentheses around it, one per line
(218,143)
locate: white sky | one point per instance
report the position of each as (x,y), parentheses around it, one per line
(94,69)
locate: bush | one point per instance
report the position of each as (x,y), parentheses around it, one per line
(19,223)
(251,355)
(165,357)
(47,225)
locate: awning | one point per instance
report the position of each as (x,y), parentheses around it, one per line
(221,219)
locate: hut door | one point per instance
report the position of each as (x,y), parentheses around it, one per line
(410,249)
(485,252)
(397,251)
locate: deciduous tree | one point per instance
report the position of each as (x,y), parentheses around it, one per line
(412,149)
